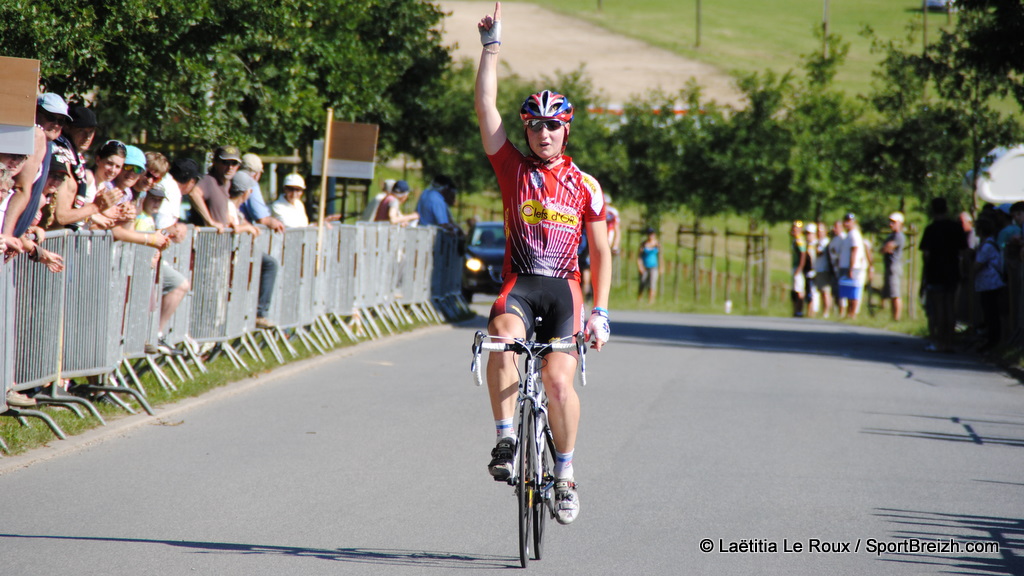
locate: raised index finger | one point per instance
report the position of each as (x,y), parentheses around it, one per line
(497,11)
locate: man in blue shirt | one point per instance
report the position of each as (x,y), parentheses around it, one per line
(434,202)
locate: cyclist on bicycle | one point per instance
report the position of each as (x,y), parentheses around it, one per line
(547,200)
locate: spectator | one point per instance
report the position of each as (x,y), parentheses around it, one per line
(853,266)
(942,243)
(812,299)
(180,181)
(583,263)
(892,257)
(1008,228)
(255,208)
(10,165)
(798,263)
(211,207)
(372,204)
(648,263)
(108,165)
(289,208)
(51,116)
(968,223)
(434,202)
(242,186)
(390,207)
(824,274)
(56,175)
(612,218)
(989,284)
(174,286)
(77,201)
(1012,242)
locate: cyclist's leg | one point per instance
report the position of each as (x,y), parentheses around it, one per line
(503,376)
(559,373)
(564,317)
(502,373)
(563,403)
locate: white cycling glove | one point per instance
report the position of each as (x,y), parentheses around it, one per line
(597,326)
(492,36)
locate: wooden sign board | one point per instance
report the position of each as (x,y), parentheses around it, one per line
(352,152)
(19,78)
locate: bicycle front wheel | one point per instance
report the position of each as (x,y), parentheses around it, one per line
(524,487)
(546,464)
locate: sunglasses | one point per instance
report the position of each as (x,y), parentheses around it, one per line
(131,169)
(152,176)
(536,124)
(49,117)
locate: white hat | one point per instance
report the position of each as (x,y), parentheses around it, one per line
(294,180)
(896,217)
(811,228)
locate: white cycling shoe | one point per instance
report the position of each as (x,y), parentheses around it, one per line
(567,501)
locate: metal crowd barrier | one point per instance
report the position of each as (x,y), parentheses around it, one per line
(6,334)
(179,257)
(104,308)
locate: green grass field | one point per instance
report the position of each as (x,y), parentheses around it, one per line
(750,36)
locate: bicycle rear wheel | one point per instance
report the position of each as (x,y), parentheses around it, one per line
(524,486)
(546,463)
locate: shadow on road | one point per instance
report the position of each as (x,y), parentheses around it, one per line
(803,338)
(415,558)
(958,530)
(970,430)
(792,337)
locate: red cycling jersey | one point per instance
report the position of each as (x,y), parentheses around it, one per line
(545,208)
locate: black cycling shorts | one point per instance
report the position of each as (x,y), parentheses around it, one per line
(557,302)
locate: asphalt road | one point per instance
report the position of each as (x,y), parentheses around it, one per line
(786,446)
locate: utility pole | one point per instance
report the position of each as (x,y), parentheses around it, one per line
(697,44)
(824,33)
(924,26)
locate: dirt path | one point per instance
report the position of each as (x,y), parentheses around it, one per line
(619,67)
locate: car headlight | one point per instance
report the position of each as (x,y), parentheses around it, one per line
(474,264)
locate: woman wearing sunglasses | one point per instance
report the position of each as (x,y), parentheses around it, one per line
(547,201)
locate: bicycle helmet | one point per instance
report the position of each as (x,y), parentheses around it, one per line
(547,104)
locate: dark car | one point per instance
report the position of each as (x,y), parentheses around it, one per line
(485,255)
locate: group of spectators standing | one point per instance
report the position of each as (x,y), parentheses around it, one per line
(138,196)
(833,267)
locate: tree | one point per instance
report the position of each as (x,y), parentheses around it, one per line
(757,173)
(990,42)
(259,75)
(823,124)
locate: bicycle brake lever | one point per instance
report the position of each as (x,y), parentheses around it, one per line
(474,367)
(581,348)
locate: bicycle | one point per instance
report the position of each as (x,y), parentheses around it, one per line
(533,463)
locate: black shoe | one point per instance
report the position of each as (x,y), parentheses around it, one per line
(501,459)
